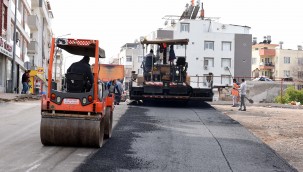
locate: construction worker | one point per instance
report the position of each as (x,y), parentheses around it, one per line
(243,94)
(83,67)
(235,93)
(25,81)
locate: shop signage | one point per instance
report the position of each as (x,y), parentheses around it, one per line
(40,70)
(5,48)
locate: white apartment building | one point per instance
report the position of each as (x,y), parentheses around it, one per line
(131,56)
(40,37)
(221,49)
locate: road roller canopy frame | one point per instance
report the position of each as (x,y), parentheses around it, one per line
(80,47)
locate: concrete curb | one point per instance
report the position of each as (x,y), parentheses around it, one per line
(269,105)
(18,97)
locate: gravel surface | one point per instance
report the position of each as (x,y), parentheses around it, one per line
(280,127)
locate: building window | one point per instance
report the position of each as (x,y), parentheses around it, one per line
(286,73)
(208,45)
(254,61)
(4,18)
(226,62)
(208,61)
(267,73)
(300,61)
(268,62)
(225,79)
(140,59)
(129,58)
(300,74)
(226,46)
(287,60)
(184,27)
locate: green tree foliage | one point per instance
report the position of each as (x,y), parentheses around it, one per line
(291,94)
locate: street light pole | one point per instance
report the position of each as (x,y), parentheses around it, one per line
(14,48)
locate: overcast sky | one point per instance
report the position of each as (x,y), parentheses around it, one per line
(115,23)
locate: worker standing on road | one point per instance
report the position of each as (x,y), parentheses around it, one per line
(25,80)
(118,92)
(243,94)
(235,93)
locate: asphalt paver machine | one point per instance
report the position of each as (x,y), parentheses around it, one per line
(168,80)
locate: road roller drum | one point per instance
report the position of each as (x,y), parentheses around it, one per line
(72,132)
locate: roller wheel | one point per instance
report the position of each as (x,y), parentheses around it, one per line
(108,123)
(72,132)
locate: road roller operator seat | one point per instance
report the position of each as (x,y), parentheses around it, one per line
(75,83)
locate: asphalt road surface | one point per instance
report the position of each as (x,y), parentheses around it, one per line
(145,138)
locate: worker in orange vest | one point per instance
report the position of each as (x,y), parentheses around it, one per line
(235,93)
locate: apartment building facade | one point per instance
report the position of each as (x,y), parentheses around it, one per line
(131,56)
(33,34)
(274,62)
(41,34)
(22,39)
(221,49)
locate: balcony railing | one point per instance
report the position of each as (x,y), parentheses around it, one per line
(266,66)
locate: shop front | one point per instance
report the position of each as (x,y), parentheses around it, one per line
(37,81)
(6,56)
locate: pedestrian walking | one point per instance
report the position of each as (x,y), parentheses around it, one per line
(235,93)
(243,94)
(25,81)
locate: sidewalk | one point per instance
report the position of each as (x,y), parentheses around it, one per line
(276,105)
(7,97)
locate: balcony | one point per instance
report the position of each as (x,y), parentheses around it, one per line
(32,47)
(33,22)
(266,66)
(267,52)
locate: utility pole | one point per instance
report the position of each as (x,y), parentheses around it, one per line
(14,48)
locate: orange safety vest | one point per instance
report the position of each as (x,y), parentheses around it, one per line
(235,91)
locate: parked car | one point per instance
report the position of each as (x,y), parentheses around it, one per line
(288,79)
(262,78)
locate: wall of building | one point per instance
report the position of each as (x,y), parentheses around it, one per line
(242,61)
(201,31)
(293,67)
